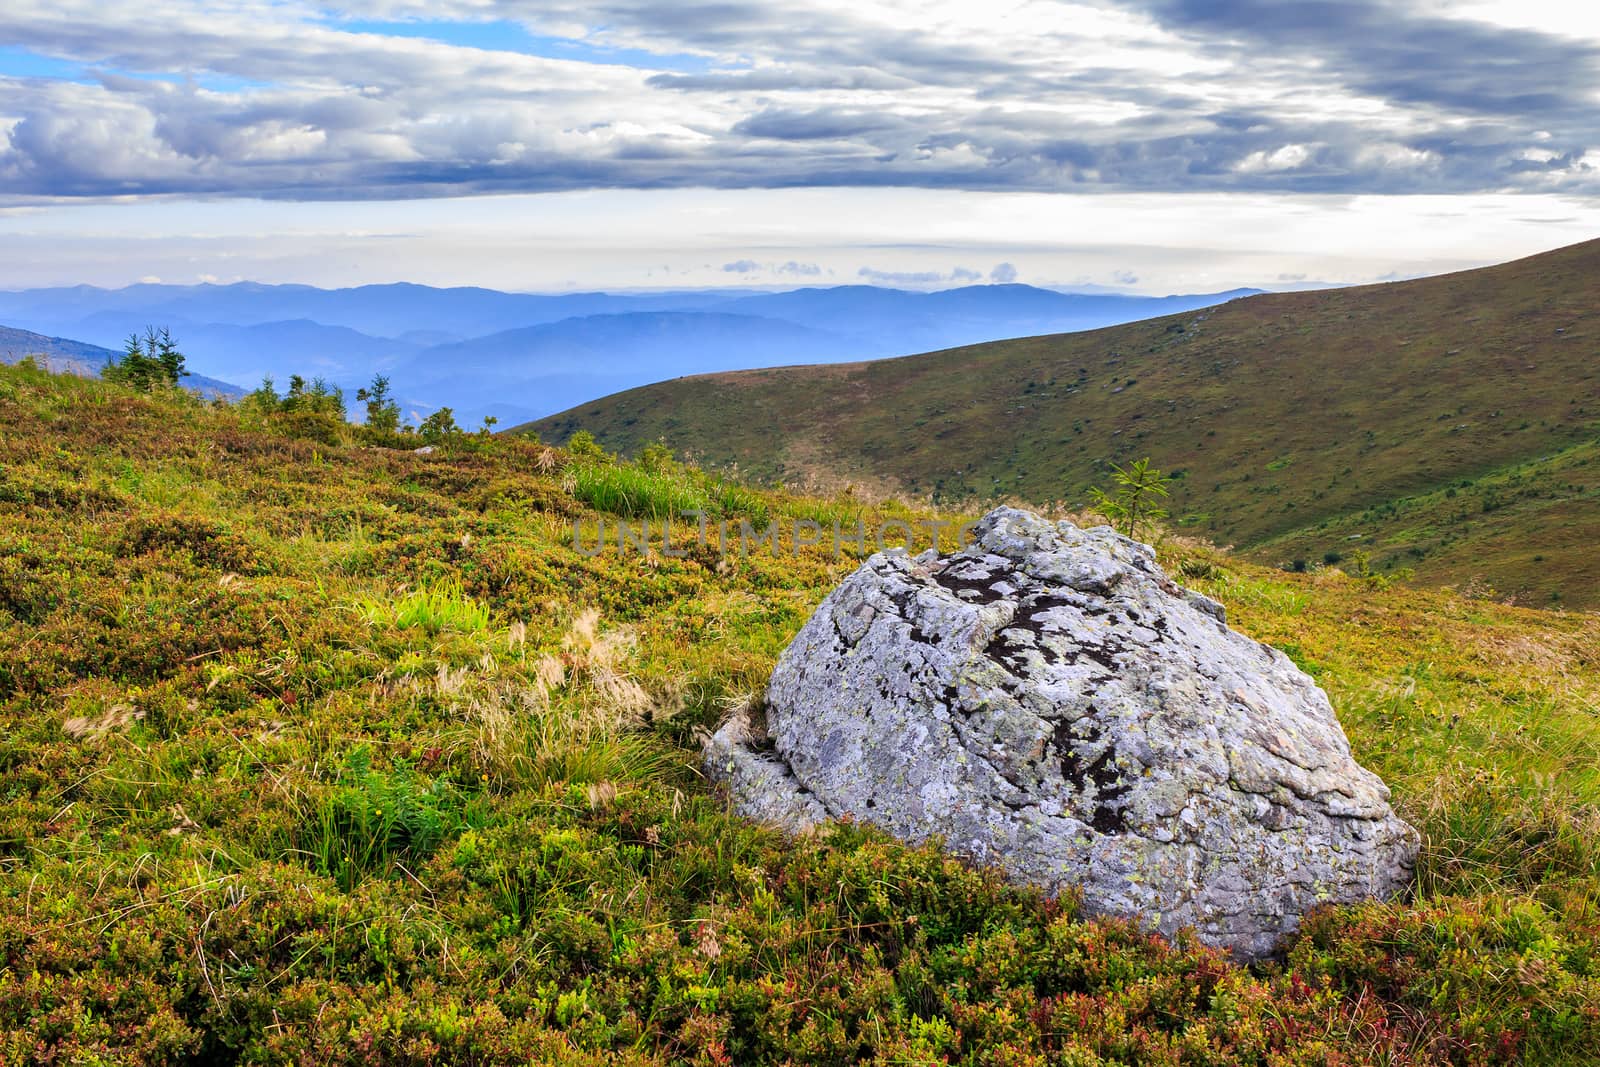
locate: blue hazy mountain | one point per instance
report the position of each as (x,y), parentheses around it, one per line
(523,355)
(375,310)
(545,367)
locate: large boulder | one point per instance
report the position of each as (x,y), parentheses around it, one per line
(1047,700)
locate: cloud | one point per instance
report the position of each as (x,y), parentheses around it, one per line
(278,101)
(1289,157)
(1003,274)
(1404,54)
(1125,277)
(957,275)
(900,277)
(792,268)
(814,125)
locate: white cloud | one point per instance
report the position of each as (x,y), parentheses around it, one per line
(1288,157)
(1390,154)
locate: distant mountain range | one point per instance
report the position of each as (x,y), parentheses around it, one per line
(519,356)
(74,357)
(1450,425)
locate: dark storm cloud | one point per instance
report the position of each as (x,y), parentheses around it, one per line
(1405,57)
(814,125)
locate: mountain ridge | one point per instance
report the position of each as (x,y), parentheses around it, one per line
(245,331)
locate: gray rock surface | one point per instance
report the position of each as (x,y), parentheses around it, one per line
(1049,701)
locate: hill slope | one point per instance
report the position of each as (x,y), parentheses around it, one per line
(1281,413)
(322,751)
(61,354)
(65,356)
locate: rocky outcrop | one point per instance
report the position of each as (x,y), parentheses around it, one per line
(1049,701)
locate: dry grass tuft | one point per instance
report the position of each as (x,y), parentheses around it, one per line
(116,717)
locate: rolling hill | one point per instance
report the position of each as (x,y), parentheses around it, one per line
(1446,424)
(60,354)
(64,356)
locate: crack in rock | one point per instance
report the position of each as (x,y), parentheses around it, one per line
(1049,701)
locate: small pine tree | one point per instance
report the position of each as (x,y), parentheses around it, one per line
(327,399)
(383,414)
(1133,505)
(165,351)
(264,398)
(315,397)
(148,363)
(130,370)
(294,399)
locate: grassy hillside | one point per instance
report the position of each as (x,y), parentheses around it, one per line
(60,354)
(74,357)
(318,750)
(1296,421)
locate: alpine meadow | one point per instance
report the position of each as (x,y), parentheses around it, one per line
(1033,533)
(321,749)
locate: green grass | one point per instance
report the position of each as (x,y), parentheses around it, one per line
(369,822)
(622,489)
(665,493)
(347,755)
(1282,413)
(442,607)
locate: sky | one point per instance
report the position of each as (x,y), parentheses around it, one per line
(549,145)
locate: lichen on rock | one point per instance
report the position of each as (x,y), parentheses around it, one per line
(1047,700)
